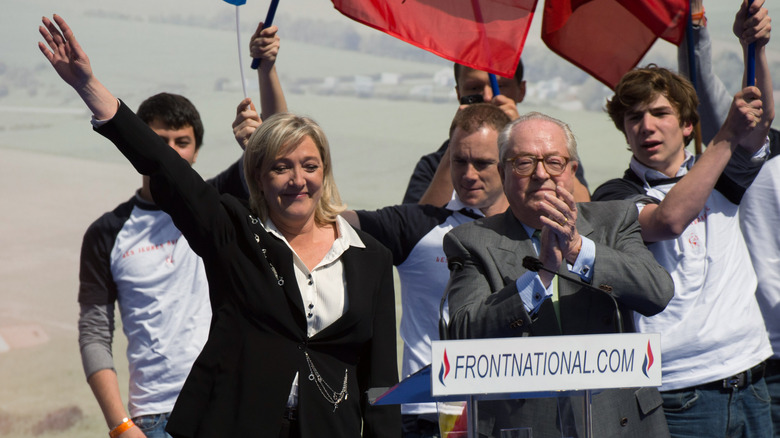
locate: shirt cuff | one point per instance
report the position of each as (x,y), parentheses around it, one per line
(583,266)
(762,154)
(532,291)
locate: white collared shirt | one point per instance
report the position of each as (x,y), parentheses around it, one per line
(324,288)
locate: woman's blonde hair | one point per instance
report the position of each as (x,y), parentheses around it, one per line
(277,136)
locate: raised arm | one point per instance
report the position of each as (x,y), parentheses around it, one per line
(714,98)
(685,200)
(264,45)
(72,64)
(440,189)
(752,25)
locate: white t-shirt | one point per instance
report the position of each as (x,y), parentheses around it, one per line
(712,328)
(164,303)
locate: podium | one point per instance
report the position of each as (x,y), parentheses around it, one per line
(511,369)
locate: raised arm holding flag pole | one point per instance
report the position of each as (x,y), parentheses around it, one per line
(263,25)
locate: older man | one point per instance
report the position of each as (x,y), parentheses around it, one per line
(491,294)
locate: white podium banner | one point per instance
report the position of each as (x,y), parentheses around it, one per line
(545,363)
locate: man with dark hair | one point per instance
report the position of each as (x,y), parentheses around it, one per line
(713,381)
(173,110)
(414,233)
(471,86)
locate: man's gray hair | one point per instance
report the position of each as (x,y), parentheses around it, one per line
(505,137)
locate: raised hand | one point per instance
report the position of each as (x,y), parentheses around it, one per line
(265,44)
(72,64)
(64,52)
(745,113)
(560,218)
(752,24)
(247,121)
(507,105)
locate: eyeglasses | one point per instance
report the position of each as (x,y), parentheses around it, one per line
(525,165)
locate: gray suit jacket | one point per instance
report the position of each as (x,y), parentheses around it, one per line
(484,303)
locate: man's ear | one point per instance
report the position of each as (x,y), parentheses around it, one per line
(521,86)
(687,129)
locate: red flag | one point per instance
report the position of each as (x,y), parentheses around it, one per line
(483,34)
(607,38)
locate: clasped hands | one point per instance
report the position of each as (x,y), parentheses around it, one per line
(560,239)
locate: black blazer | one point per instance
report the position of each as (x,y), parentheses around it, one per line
(239,384)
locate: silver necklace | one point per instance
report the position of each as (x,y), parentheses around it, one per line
(330,395)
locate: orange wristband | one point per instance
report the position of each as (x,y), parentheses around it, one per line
(122,428)
(700,18)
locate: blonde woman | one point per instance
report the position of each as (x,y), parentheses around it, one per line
(303,306)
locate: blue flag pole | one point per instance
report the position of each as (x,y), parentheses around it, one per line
(494,84)
(269,19)
(751,60)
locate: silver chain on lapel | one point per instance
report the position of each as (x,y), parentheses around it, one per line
(279,280)
(330,395)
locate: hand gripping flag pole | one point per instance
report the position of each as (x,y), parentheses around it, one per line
(269,19)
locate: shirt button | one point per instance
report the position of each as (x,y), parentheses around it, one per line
(537,296)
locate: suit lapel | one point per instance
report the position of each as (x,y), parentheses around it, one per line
(281,261)
(583,226)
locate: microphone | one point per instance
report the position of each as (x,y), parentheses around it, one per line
(533,264)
